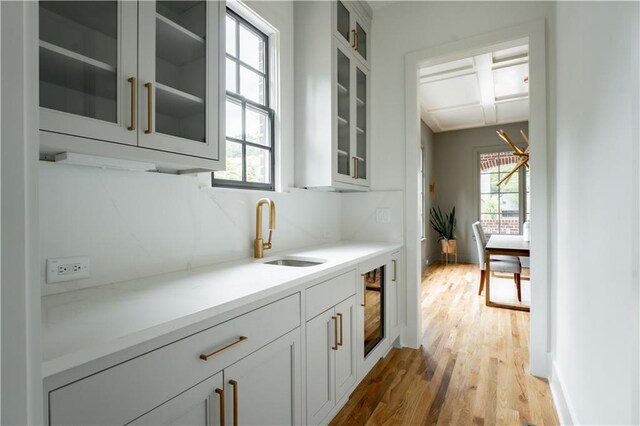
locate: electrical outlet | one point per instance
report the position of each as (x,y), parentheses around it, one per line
(67,269)
(383,215)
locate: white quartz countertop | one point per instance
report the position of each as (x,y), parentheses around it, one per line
(84,325)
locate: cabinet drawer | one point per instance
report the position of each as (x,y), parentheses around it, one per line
(126,391)
(329,293)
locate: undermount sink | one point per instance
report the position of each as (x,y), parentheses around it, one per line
(296,262)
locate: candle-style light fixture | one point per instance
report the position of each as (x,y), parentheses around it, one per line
(523,160)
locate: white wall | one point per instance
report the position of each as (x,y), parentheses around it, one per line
(404,27)
(457,178)
(597,205)
(21,384)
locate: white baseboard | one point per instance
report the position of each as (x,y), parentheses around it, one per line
(566,414)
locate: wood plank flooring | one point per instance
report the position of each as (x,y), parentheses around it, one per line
(471,369)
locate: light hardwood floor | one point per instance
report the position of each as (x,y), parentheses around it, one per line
(470,370)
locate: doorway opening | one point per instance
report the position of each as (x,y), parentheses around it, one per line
(450,59)
(474,126)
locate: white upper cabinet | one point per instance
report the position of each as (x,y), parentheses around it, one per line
(352,28)
(133,80)
(332,95)
(88,54)
(179,59)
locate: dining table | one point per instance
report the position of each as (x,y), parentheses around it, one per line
(507,245)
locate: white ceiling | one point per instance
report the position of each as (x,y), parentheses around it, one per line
(478,91)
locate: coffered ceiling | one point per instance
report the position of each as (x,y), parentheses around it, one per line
(478,91)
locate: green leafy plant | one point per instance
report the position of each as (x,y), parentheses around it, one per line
(444,224)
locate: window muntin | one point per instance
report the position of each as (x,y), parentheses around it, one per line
(503,208)
(249,118)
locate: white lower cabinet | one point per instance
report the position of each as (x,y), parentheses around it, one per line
(247,370)
(199,406)
(259,350)
(331,358)
(261,389)
(264,388)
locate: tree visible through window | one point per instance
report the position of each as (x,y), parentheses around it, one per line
(249,119)
(503,208)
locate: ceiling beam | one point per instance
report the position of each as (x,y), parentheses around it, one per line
(483,65)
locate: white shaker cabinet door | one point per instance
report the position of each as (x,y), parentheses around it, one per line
(199,406)
(265,387)
(321,340)
(345,365)
(395,292)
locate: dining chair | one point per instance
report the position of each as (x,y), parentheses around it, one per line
(499,263)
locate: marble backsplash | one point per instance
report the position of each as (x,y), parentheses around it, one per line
(134,224)
(359,222)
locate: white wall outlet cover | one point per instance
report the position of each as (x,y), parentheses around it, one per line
(67,269)
(383,215)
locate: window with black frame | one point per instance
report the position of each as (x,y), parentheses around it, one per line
(504,208)
(249,118)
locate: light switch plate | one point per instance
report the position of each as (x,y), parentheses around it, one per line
(67,269)
(383,215)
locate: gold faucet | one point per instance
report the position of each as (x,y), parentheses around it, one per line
(260,246)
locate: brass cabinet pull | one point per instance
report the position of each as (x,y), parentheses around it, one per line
(340,340)
(134,90)
(235,401)
(364,291)
(395,270)
(149,87)
(357,46)
(221,393)
(335,333)
(206,357)
(355,36)
(355,167)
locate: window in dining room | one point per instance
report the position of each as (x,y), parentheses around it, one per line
(503,208)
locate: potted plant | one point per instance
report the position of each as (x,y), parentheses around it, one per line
(445,226)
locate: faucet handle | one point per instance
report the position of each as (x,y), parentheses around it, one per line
(267,245)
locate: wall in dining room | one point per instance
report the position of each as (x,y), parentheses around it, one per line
(456,177)
(430,237)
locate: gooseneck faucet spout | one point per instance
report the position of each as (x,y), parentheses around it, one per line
(259,246)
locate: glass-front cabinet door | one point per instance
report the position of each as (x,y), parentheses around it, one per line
(179,57)
(343,114)
(351,118)
(343,22)
(87,70)
(351,30)
(361,40)
(362,133)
